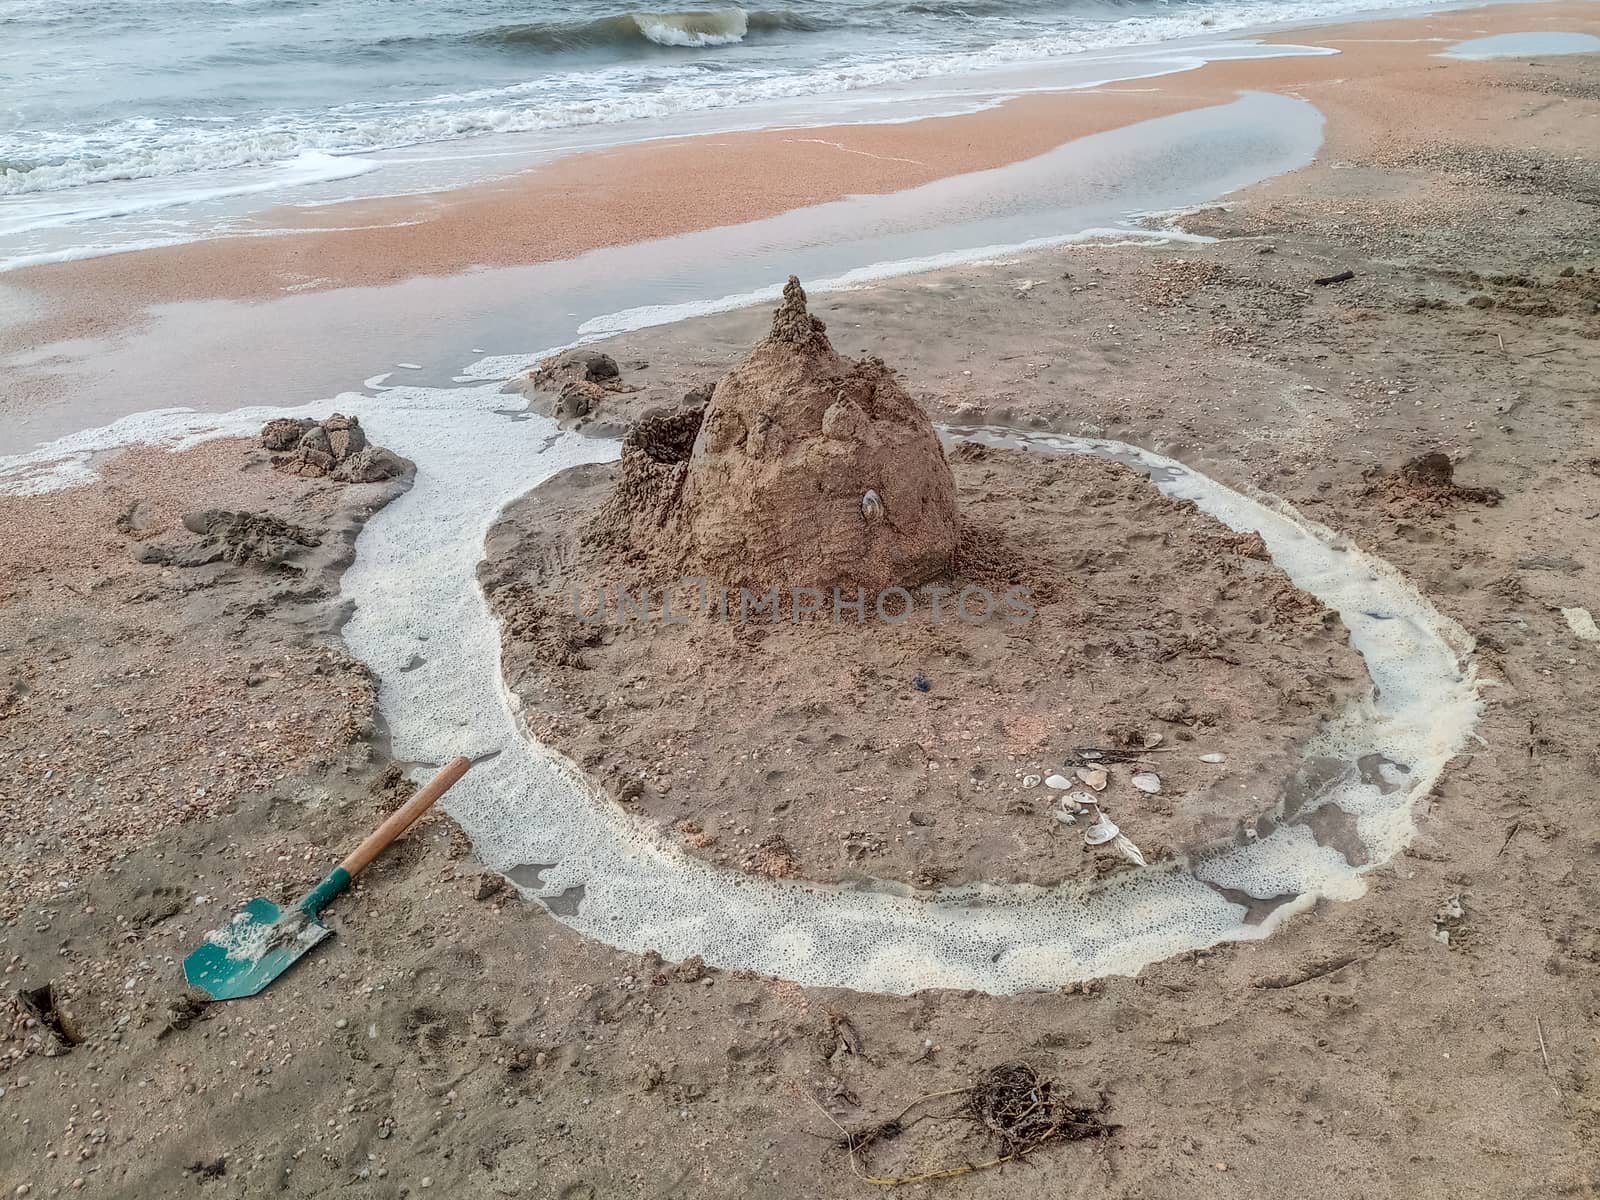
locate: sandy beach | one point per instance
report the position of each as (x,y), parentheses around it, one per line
(175,319)
(219,669)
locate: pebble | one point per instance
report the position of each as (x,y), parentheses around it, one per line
(341,1023)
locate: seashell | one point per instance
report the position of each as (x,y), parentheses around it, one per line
(1147,781)
(1094,777)
(1152,740)
(1089,755)
(1130,852)
(1101,832)
(1030,781)
(1065,817)
(1214,758)
(1060,782)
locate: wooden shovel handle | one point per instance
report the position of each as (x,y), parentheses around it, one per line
(400,820)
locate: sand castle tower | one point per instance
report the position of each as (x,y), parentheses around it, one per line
(809,470)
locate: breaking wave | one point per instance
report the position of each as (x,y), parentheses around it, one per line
(691,28)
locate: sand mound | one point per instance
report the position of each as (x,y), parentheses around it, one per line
(804,470)
(1427,484)
(225,536)
(832,749)
(580,380)
(336,447)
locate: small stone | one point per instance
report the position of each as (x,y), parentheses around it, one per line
(341,1023)
(490,884)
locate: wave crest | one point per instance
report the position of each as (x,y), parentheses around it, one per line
(688,28)
(715,27)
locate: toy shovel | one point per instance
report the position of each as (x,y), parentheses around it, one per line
(263,942)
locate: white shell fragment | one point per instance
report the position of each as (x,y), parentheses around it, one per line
(1147,781)
(1030,781)
(1102,831)
(1094,777)
(1084,800)
(1214,758)
(1060,782)
(1130,852)
(1581,622)
(1152,740)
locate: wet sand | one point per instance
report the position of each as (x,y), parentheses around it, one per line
(220,324)
(1370,91)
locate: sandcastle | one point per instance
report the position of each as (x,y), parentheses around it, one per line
(803,470)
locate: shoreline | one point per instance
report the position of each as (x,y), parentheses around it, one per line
(662,188)
(250,321)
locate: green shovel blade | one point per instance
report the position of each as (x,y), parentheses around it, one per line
(252,950)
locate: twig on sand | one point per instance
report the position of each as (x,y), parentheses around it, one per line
(1538,1026)
(1327,967)
(1510,833)
(1339,278)
(1094,756)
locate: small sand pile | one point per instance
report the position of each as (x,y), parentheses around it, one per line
(580,380)
(334,448)
(1427,484)
(803,470)
(232,537)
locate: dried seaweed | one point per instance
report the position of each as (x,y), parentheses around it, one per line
(1018,1109)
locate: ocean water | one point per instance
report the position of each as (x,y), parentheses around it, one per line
(114,108)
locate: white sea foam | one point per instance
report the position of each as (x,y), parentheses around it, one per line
(416,597)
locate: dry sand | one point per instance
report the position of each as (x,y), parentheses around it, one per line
(1434,1039)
